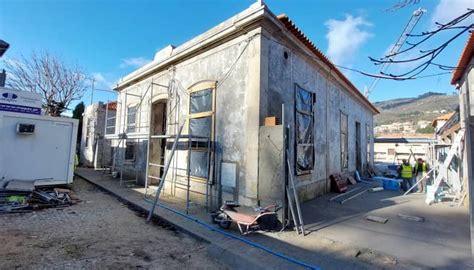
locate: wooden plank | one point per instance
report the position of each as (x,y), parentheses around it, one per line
(353,196)
(352,180)
(271,121)
(344,194)
(376,189)
(377,219)
(411,218)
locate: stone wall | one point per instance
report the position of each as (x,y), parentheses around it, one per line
(283,67)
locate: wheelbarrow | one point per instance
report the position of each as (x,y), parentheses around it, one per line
(247,218)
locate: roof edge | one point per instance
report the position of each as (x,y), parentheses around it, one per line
(298,34)
(464,60)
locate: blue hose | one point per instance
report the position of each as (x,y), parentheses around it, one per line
(264,248)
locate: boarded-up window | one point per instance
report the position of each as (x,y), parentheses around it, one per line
(304,118)
(131,118)
(344,141)
(130,151)
(201,127)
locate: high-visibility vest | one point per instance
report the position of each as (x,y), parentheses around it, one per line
(406,171)
(423,167)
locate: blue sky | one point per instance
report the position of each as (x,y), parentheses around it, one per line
(109,38)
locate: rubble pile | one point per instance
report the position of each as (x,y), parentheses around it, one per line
(21,198)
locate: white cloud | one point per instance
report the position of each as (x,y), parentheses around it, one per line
(134,62)
(447,10)
(345,37)
(101,81)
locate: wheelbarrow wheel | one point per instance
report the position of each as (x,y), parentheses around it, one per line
(224,224)
(223,221)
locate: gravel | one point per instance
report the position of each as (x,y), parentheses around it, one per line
(97,233)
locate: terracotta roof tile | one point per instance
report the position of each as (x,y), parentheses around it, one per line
(464,60)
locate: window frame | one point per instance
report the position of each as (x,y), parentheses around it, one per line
(345,142)
(127,124)
(304,144)
(127,144)
(197,87)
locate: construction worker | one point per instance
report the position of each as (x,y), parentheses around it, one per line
(420,171)
(406,173)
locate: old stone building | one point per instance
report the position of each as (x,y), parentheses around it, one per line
(221,86)
(96,152)
(463,78)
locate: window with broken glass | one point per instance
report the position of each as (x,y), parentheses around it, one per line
(344,141)
(131,118)
(201,126)
(304,116)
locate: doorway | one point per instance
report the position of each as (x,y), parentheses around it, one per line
(157,146)
(358,148)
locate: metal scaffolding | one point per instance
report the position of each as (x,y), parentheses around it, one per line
(125,132)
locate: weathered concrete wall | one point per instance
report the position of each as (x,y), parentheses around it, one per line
(271,184)
(466,110)
(97,152)
(234,65)
(282,68)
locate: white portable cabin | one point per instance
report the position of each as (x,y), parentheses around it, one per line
(34,147)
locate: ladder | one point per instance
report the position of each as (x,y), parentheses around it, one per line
(430,196)
(165,172)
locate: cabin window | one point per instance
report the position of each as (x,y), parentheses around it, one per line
(304,128)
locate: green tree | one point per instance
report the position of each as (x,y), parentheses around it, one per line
(77,114)
(425,130)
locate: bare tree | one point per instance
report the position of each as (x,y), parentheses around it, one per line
(403,3)
(426,58)
(58,83)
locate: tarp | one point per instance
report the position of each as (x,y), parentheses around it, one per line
(200,126)
(199,166)
(304,130)
(201,101)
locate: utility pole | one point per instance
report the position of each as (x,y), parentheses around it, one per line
(92,91)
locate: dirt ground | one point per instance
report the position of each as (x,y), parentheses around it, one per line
(98,233)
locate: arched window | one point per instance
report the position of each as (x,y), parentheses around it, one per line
(201,122)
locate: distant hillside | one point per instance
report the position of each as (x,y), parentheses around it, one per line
(424,107)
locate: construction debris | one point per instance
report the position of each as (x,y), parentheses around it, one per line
(377,219)
(21,201)
(376,189)
(412,218)
(355,195)
(340,184)
(351,180)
